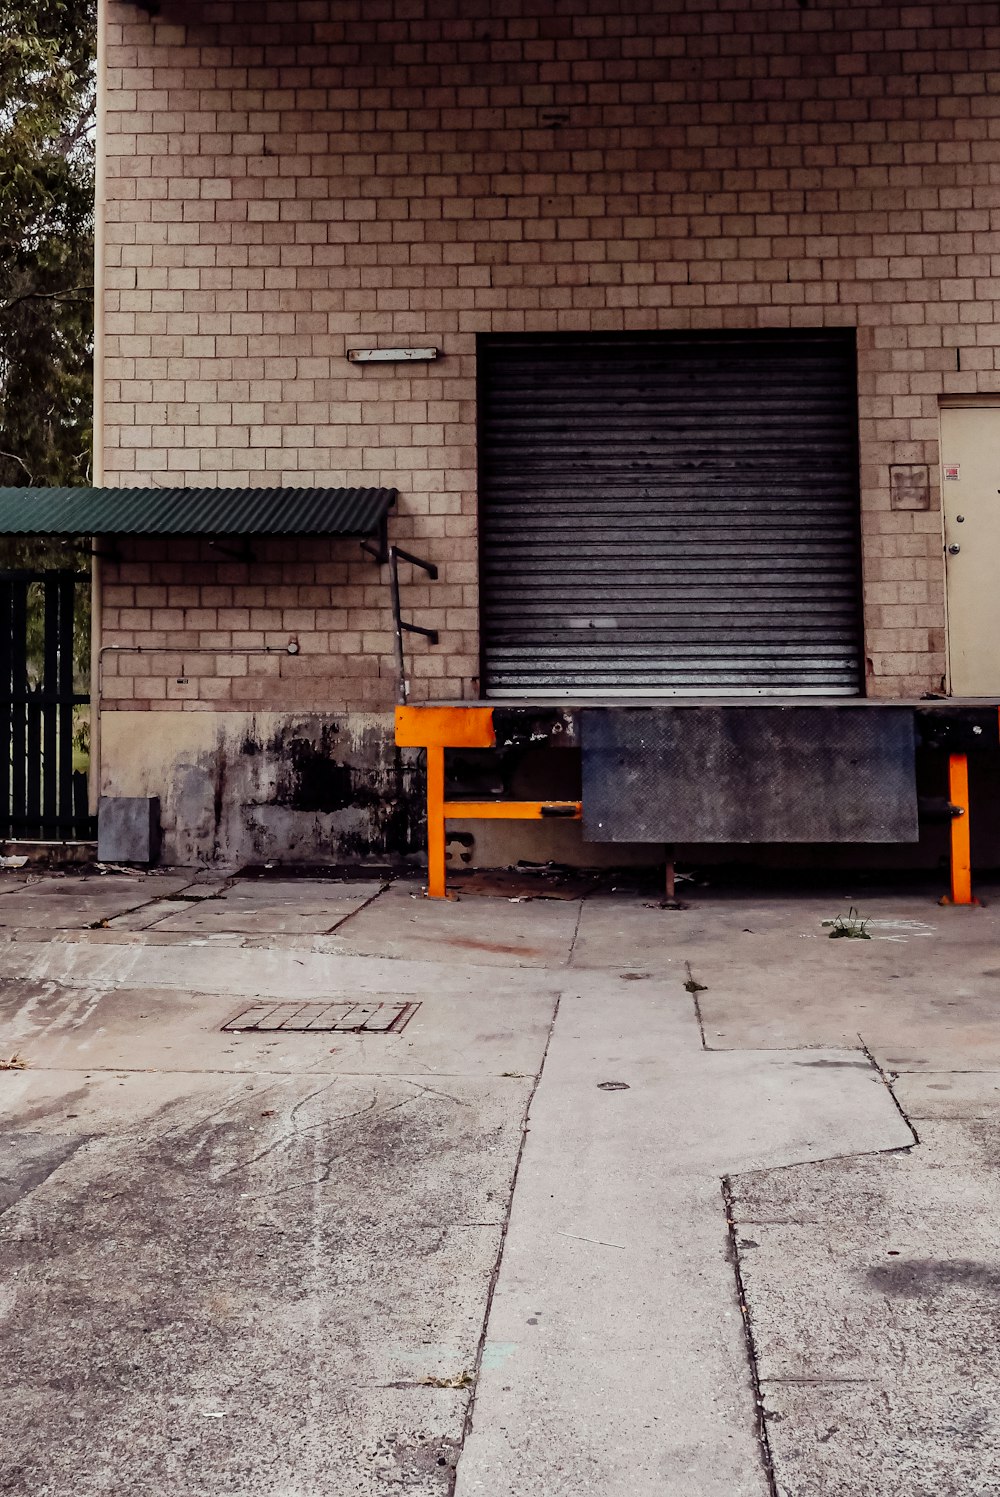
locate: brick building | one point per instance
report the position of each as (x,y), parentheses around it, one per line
(791,207)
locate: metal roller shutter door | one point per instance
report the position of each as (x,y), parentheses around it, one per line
(669,514)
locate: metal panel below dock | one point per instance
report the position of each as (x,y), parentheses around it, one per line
(669,774)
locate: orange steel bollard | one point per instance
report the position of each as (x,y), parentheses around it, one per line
(961,856)
(436,869)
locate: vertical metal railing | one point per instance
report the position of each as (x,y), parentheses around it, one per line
(42,794)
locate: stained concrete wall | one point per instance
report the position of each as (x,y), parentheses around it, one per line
(244,788)
(238,788)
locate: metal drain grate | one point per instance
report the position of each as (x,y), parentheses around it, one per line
(343,1018)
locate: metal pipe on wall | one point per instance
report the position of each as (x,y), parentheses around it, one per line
(292,648)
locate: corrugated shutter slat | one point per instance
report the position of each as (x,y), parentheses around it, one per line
(669,514)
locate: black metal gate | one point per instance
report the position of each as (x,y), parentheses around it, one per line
(43,795)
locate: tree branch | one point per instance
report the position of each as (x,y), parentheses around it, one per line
(70,293)
(20,462)
(88,117)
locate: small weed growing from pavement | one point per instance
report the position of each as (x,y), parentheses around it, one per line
(463,1380)
(853,928)
(12,1063)
(693,985)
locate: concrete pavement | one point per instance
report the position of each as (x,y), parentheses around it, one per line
(630,1205)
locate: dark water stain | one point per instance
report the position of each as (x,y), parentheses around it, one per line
(320,783)
(27,1160)
(318,774)
(850,1065)
(918,1278)
(467,944)
(311,789)
(219,799)
(313,778)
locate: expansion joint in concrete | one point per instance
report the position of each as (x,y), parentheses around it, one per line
(339,925)
(886,1080)
(134,909)
(576,932)
(694,987)
(763,1439)
(470,1412)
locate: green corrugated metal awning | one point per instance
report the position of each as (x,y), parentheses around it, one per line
(241,512)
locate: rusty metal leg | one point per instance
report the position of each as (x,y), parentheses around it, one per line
(435,825)
(961,859)
(670,887)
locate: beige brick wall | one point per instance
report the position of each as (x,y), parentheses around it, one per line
(290,178)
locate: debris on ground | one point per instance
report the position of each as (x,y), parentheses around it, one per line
(463,1380)
(12,862)
(524,883)
(692,984)
(13,1063)
(851,928)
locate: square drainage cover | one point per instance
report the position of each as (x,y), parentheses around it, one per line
(341,1018)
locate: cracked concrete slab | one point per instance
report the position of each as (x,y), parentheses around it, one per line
(316,968)
(923,991)
(73,902)
(318,918)
(103,1025)
(635,934)
(949,1094)
(256,907)
(486,932)
(870,1281)
(872,1286)
(214,1297)
(155,1167)
(619,1209)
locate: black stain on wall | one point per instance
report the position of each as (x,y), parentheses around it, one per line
(376,796)
(313,789)
(317,782)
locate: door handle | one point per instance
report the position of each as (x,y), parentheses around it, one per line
(954,550)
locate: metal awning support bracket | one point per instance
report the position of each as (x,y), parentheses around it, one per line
(378,549)
(402,626)
(106,548)
(415,561)
(241,552)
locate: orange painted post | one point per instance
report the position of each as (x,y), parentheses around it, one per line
(435,824)
(435,729)
(512,810)
(961,856)
(447,727)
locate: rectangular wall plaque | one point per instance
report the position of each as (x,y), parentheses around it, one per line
(910,486)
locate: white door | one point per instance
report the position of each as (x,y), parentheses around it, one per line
(970,487)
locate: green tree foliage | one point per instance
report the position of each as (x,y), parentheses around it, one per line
(47,126)
(47,107)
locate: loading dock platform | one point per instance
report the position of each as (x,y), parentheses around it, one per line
(710,770)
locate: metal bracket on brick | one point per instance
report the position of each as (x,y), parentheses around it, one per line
(324,1018)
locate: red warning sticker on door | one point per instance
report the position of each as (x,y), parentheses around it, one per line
(952,470)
